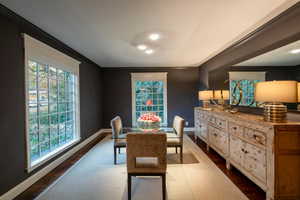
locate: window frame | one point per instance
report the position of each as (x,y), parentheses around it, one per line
(149,76)
(50,53)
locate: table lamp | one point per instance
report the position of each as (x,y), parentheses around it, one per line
(273,94)
(221,96)
(205,96)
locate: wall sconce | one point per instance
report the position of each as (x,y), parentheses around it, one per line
(205,96)
(273,94)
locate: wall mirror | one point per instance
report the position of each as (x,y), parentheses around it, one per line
(280,64)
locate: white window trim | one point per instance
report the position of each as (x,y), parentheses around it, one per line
(151,76)
(40,52)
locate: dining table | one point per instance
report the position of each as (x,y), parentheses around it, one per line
(164,130)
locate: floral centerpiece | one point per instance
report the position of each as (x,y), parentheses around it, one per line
(149,121)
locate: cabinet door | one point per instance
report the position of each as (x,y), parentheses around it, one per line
(212,136)
(236,150)
(197,122)
(203,130)
(218,139)
(255,161)
(223,142)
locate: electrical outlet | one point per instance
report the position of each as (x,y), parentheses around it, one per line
(186,123)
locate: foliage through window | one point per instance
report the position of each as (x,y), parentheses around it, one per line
(51,109)
(149,96)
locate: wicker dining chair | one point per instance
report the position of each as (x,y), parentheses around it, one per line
(118,137)
(175,139)
(147,156)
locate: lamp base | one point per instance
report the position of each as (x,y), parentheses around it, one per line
(205,103)
(275,112)
(221,101)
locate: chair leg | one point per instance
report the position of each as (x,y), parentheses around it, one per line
(176,150)
(129,186)
(119,150)
(164,186)
(115,155)
(181,155)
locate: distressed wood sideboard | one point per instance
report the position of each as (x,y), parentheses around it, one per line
(267,153)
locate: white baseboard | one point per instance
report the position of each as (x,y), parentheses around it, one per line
(189,129)
(107,130)
(14,192)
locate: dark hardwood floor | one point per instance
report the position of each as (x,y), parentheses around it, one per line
(38,187)
(250,189)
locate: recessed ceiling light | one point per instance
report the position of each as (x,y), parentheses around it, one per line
(149,51)
(294,51)
(154,36)
(142,47)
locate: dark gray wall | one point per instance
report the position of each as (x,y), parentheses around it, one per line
(12,101)
(182,85)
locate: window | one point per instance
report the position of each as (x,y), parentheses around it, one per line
(51,102)
(149,95)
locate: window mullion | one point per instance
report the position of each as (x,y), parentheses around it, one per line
(57,111)
(38,105)
(49,122)
(65,105)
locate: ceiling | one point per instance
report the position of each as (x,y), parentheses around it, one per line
(278,57)
(106,31)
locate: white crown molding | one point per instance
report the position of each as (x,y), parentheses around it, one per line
(18,189)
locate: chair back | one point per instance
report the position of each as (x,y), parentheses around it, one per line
(178,125)
(116,125)
(146,145)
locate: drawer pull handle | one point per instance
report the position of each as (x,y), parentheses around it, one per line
(234,128)
(245,151)
(258,138)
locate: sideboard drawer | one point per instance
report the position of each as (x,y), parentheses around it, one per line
(254,136)
(236,130)
(212,119)
(220,123)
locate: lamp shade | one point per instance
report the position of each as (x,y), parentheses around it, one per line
(225,94)
(205,95)
(276,91)
(218,94)
(221,94)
